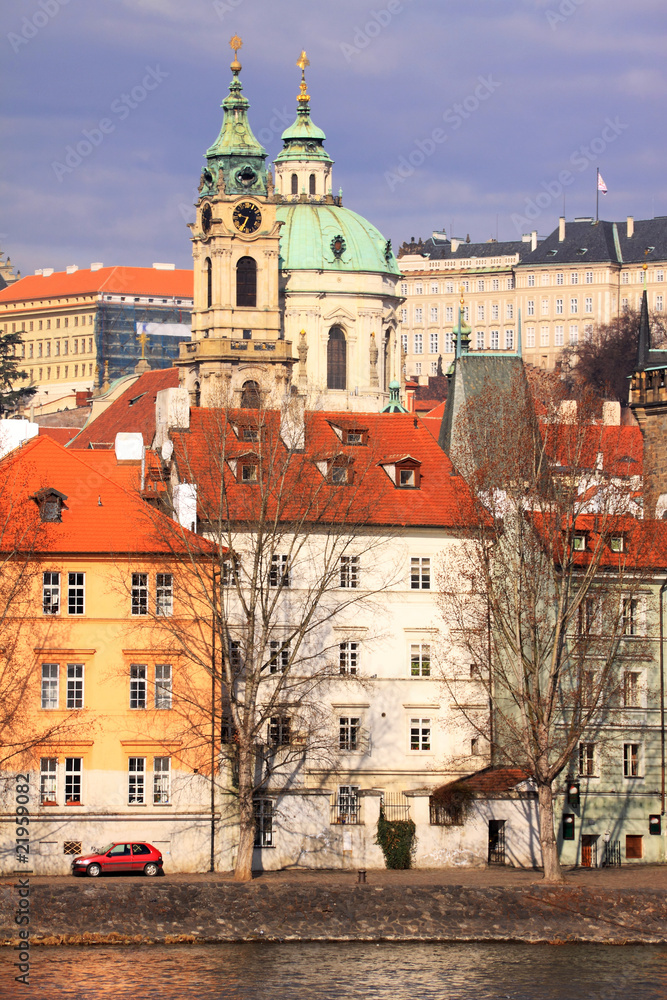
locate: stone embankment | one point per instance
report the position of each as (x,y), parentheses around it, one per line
(201,910)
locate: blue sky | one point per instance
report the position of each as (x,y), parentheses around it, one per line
(475,115)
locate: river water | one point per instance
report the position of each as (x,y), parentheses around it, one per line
(343,972)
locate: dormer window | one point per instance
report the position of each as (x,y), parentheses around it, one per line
(355,437)
(617,543)
(249,433)
(408,475)
(579,543)
(248,472)
(51,504)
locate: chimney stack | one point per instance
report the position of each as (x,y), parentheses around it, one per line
(630,230)
(561,229)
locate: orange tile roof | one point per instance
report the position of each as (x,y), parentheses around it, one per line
(60,434)
(101,517)
(489,781)
(107,280)
(622,447)
(203,455)
(132,412)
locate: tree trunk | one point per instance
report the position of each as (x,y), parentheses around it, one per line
(550,861)
(243,869)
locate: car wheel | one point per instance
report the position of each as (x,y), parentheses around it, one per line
(151,868)
(94,870)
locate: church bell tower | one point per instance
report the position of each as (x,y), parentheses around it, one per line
(237,355)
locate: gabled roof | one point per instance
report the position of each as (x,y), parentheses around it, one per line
(108,280)
(620,447)
(443,500)
(101,518)
(132,412)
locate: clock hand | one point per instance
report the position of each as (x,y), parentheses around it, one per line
(245,223)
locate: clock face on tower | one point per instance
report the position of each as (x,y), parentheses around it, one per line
(247,217)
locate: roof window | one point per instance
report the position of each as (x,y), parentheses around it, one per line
(579,542)
(617,543)
(51,504)
(356,436)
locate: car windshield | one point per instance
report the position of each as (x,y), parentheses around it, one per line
(101,850)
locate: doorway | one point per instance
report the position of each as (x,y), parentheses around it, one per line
(589,850)
(496,841)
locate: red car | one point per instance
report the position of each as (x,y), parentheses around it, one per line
(126,856)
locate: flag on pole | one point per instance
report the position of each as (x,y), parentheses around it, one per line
(601,184)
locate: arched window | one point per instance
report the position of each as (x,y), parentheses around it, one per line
(209,282)
(336,359)
(295,184)
(312,184)
(246,282)
(250,397)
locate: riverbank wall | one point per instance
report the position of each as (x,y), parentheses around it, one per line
(159,912)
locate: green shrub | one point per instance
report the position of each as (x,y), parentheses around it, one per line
(396,838)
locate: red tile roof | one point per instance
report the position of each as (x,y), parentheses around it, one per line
(101,517)
(108,280)
(622,448)
(132,412)
(204,453)
(60,434)
(490,781)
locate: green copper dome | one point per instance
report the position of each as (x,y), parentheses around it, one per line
(322,237)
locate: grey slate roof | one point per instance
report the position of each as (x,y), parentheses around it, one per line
(436,249)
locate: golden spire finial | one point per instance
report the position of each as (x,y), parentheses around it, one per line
(302,62)
(236,44)
(462,300)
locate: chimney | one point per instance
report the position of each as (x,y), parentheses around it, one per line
(533,240)
(71,268)
(96,265)
(561,229)
(164,267)
(292,423)
(611,414)
(172,412)
(454,244)
(567,411)
(630,227)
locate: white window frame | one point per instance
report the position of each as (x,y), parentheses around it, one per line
(632,760)
(587,760)
(138,686)
(420,573)
(163,686)
(164,594)
(50,686)
(349,733)
(279,654)
(418,341)
(50,593)
(350,572)
(420,659)
(280,571)
(75,685)
(161,781)
(136,781)
(139,603)
(48,781)
(348,657)
(264,810)
(76,594)
(494,340)
(420,735)
(433,339)
(73,778)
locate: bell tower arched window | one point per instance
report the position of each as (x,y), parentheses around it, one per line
(336,359)
(246,282)
(295,184)
(312,184)
(209,282)
(250,397)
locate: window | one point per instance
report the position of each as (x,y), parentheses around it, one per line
(433,343)
(494,339)
(136,779)
(510,282)
(433,368)
(404,315)
(545,307)
(448,342)
(51,593)
(279,574)
(480,285)
(420,573)
(139,593)
(73,769)
(420,659)
(495,312)
(545,278)
(449,314)
(531,280)
(559,279)
(630,689)
(588,616)
(480,313)
(574,305)
(279,730)
(559,307)
(263,810)
(230,571)
(419,289)
(658,303)
(346,809)
(574,333)
(530,307)
(209,295)
(495,285)
(434,288)
(449,287)
(246,283)
(624,305)
(589,277)
(295,184)
(579,543)
(312,184)
(434,315)
(234,654)
(75,685)
(337,359)
(164,594)
(75,593)
(419,312)
(251,397)
(348,657)
(404,288)
(47,781)
(349,572)
(138,685)
(559,335)
(587,759)
(408,478)
(479,340)
(660,275)
(630,616)
(349,730)
(420,734)
(50,685)
(530,336)
(509,340)
(279,653)
(616,543)
(588,304)
(509,311)
(631,760)
(249,472)
(419,343)
(574,278)
(161,781)
(625,277)
(404,343)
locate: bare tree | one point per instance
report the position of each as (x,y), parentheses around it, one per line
(285,501)
(546,592)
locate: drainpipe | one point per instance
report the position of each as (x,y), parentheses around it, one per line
(662,702)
